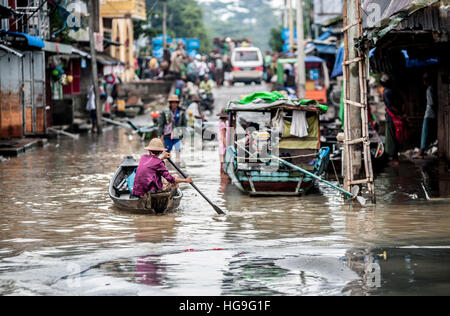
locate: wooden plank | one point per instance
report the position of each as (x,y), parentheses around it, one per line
(40,120)
(1,116)
(363,181)
(345,29)
(11,118)
(29,120)
(16,115)
(356,141)
(357,104)
(57,131)
(444,113)
(352,61)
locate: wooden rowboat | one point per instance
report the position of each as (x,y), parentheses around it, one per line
(154,203)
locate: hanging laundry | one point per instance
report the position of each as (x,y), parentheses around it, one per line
(278,122)
(299,125)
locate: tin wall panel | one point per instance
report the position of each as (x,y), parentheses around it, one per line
(11,111)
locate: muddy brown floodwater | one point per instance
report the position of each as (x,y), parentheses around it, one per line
(61,234)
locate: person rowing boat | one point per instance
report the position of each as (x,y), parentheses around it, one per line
(152,175)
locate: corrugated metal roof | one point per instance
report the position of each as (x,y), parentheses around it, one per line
(404,15)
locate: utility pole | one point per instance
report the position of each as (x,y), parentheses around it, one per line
(285,15)
(93,26)
(301,76)
(164,24)
(354,113)
(291,27)
(356,129)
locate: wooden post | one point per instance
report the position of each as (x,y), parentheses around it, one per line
(301,76)
(291,27)
(285,15)
(443,100)
(353,121)
(164,24)
(94,16)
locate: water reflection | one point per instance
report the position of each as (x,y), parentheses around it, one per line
(55,209)
(145,270)
(400,271)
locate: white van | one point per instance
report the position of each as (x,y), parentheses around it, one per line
(248,65)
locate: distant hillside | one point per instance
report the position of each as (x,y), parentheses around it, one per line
(241,18)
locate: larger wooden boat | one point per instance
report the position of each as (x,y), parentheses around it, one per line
(260,132)
(155,203)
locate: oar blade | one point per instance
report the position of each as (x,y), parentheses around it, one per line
(361,200)
(355,190)
(218,210)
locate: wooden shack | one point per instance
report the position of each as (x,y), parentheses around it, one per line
(408,41)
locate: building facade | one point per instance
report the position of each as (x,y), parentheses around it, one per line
(23,27)
(116,26)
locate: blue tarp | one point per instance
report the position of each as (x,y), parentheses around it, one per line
(313,59)
(412,63)
(32,41)
(324,36)
(337,69)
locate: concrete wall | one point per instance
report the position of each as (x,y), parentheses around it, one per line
(145,89)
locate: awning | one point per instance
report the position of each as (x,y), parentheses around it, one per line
(107,60)
(22,39)
(394,13)
(57,48)
(264,101)
(11,50)
(107,43)
(80,52)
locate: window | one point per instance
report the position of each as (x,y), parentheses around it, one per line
(247,56)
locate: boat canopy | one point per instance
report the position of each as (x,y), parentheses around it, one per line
(265,101)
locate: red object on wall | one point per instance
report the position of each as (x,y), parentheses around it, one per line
(12,25)
(73,70)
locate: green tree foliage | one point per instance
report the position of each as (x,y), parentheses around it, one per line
(184,19)
(276,42)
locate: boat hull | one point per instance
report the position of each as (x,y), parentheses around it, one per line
(156,203)
(281,182)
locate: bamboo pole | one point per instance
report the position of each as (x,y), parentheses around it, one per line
(301,75)
(164,24)
(347,165)
(93,9)
(291,27)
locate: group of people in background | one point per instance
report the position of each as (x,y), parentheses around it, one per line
(178,65)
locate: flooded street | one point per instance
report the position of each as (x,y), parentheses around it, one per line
(61,235)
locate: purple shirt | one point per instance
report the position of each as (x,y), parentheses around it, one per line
(148,175)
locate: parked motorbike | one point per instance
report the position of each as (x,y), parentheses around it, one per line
(207,101)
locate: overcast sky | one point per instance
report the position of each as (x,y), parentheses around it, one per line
(276,3)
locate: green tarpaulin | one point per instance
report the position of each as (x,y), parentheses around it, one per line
(265,99)
(266,96)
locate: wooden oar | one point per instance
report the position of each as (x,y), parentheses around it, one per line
(216,208)
(353,195)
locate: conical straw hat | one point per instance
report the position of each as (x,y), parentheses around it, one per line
(174,98)
(155,145)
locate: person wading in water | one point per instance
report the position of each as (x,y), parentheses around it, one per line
(171,123)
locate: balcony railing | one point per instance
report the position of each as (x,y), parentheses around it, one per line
(33,21)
